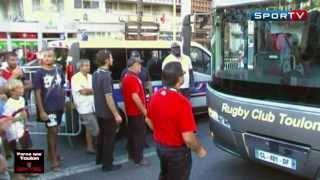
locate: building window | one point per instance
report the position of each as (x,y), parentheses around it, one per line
(36,4)
(58,5)
(77,4)
(108,7)
(86,4)
(90,4)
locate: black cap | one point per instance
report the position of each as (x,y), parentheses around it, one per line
(175,45)
(135,54)
(133,60)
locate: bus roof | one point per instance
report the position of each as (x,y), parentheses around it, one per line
(117,44)
(229,3)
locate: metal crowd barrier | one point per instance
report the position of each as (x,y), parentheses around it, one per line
(70,124)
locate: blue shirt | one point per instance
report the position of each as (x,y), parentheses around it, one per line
(51,82)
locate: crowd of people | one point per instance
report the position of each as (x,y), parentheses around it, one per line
(173,127)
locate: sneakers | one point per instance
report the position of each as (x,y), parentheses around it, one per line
(111,168)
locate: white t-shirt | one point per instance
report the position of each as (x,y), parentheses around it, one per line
(16,130)
(186,66)
(84,104)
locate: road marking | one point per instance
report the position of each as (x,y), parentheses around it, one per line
(91,166)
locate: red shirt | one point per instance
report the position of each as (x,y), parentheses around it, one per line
(132,84)
(171,115)
(6,73)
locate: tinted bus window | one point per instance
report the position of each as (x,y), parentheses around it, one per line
(119,60)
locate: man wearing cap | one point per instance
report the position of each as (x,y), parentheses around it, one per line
(186,64)
(143,75)
(135,105)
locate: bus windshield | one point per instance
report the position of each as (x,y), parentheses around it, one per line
(277,60)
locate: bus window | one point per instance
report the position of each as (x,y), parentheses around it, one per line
(119,60)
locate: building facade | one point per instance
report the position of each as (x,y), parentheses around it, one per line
(30,23)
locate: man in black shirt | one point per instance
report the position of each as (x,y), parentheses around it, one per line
(106,111)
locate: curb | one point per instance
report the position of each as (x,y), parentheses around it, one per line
(91,166)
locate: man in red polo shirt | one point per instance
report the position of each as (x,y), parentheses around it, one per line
(170,116)
(134,101)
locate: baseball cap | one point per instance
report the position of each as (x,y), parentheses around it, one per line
(175,45)
(135,53)
(133,60)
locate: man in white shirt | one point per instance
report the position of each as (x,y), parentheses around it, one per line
(176,56)
(81,84)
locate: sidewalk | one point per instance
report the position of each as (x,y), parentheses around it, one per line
(76,160)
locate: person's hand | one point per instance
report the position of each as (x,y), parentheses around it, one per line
(202,152)
(86,91)
(118,119)
(3,164)
(27,84)
(5,123)
(24,115)
(17,72)
(44,116)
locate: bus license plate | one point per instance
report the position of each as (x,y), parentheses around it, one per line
(276,159)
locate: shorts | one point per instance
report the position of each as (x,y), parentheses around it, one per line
(58,115)
(90,122)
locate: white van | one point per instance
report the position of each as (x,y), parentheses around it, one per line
(152,52)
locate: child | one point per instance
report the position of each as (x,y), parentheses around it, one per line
(15,107)
(5,122)
(50,96)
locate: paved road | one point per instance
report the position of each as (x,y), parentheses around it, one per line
(217,165)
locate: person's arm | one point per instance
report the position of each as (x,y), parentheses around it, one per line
(192,142)
(3,164)
(148,83)
(187,127)
(43,115)
(149,123)
(135,97)
(16,73)
(107,90)
(192,81)
(86,91)
(76,87)
(5,123)
(113,108)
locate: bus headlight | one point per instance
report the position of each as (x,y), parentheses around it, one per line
(220,119)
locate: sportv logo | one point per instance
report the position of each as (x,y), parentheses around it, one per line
(274,15)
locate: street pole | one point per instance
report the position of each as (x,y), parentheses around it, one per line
(174,20)
(139,19)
